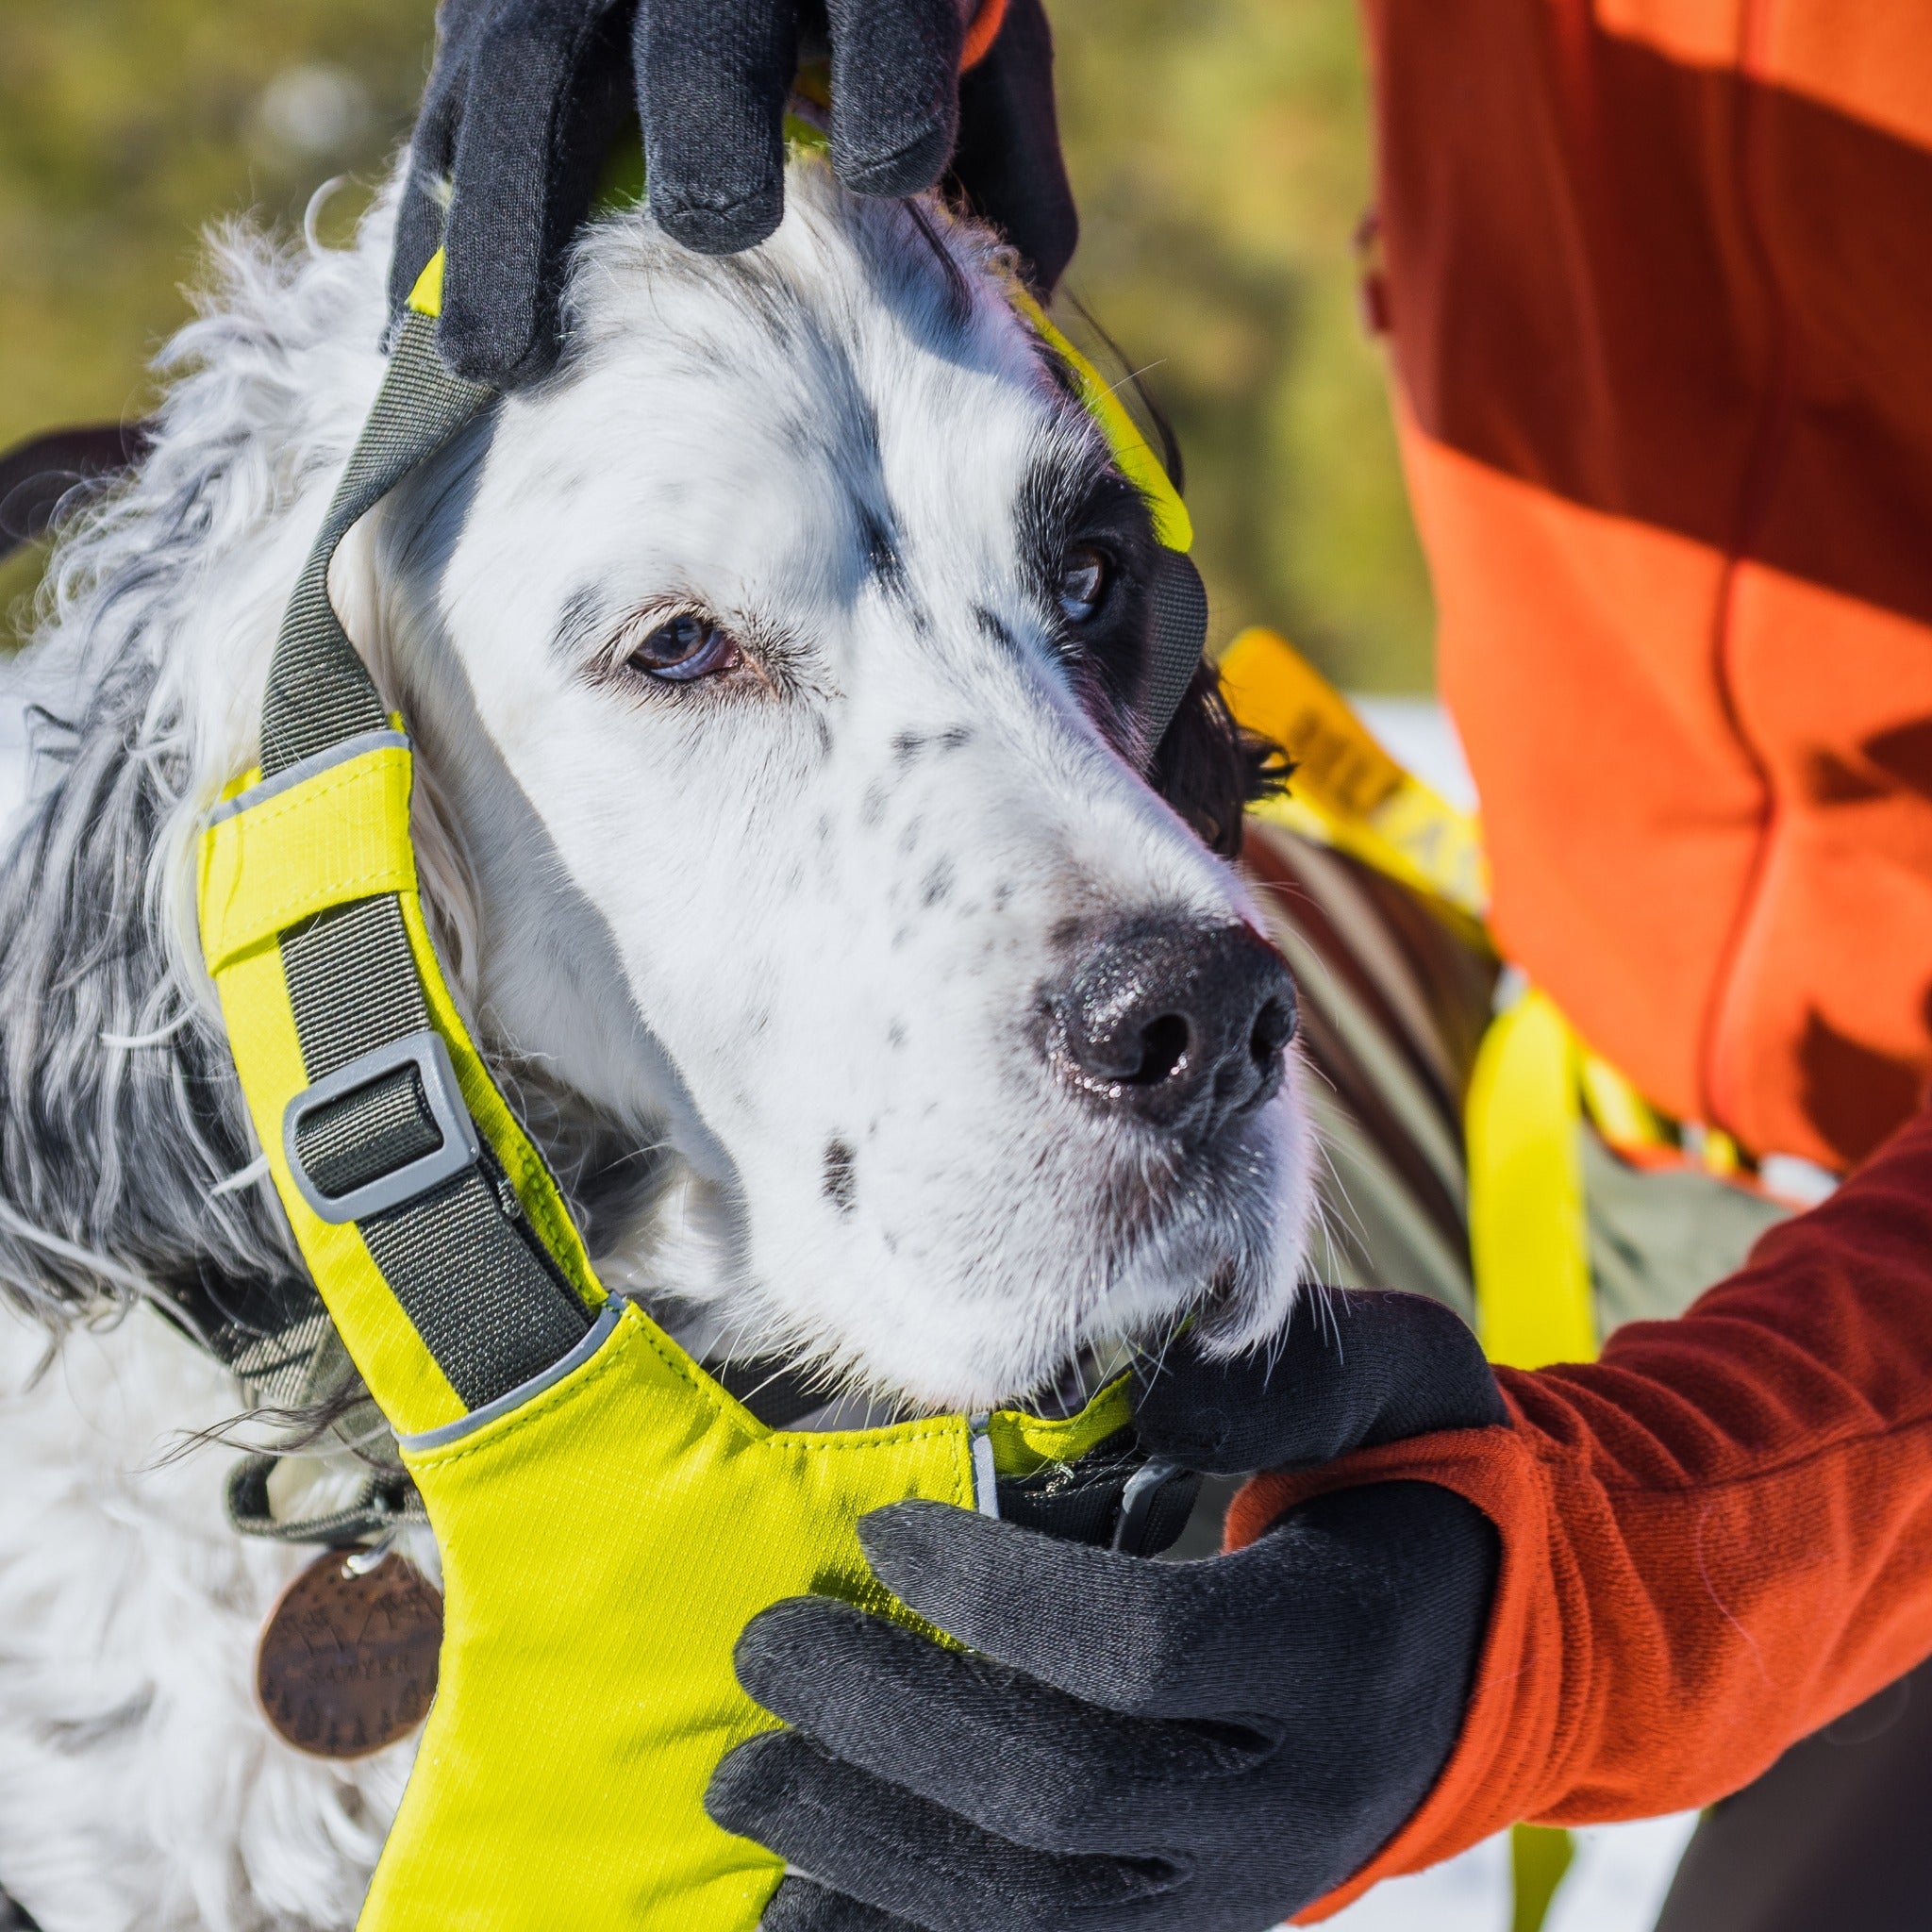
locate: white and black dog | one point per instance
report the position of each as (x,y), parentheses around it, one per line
(788,832)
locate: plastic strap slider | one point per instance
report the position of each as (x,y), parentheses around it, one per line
(425,1053)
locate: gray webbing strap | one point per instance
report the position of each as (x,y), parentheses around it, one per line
(385,1502)
(319,690)
(483,1293)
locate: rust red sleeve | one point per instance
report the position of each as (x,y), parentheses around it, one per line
(1715,1540)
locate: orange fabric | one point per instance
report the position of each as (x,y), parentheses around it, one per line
(982,31)
(1715,1539)
(1658,282)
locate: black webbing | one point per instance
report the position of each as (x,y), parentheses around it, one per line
(1181,636)
(479,1287)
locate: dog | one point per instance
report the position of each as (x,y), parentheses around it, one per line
(882,999)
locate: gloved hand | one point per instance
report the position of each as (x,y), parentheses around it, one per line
(1129,1743)
(527,96)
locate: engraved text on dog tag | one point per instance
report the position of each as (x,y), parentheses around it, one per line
(347,1662)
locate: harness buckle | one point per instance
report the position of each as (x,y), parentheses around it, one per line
(459,1148)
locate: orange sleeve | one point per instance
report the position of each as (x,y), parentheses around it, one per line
(1715,1540)
(982,29)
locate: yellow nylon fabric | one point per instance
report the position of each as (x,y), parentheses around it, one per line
(425,298)
(308,833)
(605,1542)
(321,843)
(603,1546)
(1347,792)
(1131,450)
(1528,1234)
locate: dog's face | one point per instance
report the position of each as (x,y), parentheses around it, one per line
(803,616)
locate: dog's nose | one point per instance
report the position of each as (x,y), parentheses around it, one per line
(1183,1025)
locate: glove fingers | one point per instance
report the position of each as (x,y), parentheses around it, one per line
(893,1851)
(1122,1632)
(930,1720)
(896,93)
(1008,162)
(546,98)
(1354,1368)
(432,158)
(712,82)
(799,1906)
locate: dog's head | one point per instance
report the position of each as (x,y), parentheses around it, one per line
(786,812)
(778,662)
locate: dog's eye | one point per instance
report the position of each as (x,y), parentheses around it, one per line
(683,648)
(1085,575)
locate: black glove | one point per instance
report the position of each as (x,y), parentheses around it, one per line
(527,97)
(1130,1744)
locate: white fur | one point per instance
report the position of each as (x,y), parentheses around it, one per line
(717,927)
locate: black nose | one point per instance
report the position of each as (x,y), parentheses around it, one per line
(1184,1026)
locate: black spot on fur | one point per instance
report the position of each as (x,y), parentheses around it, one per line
(883,562)
(994,629)
(840,1175)
(577,622)
(938,884)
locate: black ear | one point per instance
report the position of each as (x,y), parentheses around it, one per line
(1210,769)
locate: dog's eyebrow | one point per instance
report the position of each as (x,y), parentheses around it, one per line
(582,611)
(1059,496)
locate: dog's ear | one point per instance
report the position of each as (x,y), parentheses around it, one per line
(119,1113)
(1211,769)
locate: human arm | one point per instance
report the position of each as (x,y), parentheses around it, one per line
(1715,1539)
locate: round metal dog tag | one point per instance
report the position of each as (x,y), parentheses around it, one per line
(347,1661)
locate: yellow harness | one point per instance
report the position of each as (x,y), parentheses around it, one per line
(609,1518)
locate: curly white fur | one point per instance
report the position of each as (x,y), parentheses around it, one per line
(760,958)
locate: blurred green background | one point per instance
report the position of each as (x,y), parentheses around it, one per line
(1220,149)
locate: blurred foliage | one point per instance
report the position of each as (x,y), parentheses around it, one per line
(1220,153)
(1220,149)
(125,127)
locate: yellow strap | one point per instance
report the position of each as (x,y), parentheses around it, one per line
(1539,1854)
(325,842)
(425,298)
(1528,1235)
(1347,792)
(1623,1117)
(1131,450)
(341,836)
